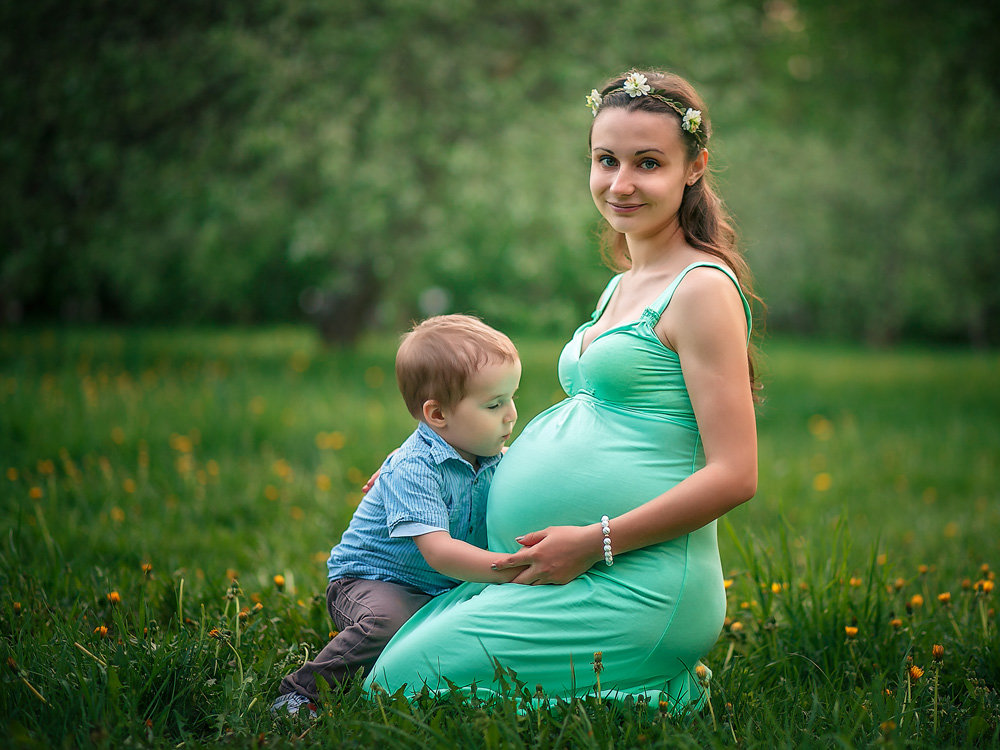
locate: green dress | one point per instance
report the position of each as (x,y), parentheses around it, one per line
(625,434)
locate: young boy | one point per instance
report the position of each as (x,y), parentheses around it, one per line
(422,527)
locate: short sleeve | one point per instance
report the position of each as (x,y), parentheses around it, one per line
(413,492)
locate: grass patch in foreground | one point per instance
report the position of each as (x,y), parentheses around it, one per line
(143,471)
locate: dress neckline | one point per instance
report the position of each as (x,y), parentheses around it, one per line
(650,313)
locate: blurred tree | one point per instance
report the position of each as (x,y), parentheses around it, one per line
(373,161)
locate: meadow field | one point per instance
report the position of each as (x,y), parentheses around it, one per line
(168,499)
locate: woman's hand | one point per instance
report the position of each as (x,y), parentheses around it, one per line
(555,555)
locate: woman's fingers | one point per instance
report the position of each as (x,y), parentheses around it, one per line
(531,539)
(512,561)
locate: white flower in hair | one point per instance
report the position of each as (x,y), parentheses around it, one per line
(635,85)
(594,101)
(692,120)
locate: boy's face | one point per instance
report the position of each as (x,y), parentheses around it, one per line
(482,421)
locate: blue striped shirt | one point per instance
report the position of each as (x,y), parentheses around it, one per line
(424,486)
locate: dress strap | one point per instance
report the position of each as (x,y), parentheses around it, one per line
(655,310)
(606,297)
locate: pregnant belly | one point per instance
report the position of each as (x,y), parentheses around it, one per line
(580,460)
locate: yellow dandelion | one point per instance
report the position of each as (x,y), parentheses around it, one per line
(896,623)
(887,726)
(937,651)
(129,486)
(701,672)
(775,588)
(820,427)
(46,466)
(271,492)
(922,569)
(851,631)
(915,672)
(916,601)
(279,581)
(101,631)
(736,627)
(35,493)
(944,597)
(117,514)
(323,483)
(822,481)
(882,559)
(966,584)
(214,633)
(985,585)
(17,608)
(258,607)
(898,584)
(181,443)
(855,582)
(727,583)
(147,568)
(114,597)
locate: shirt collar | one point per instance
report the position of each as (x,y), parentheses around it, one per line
(441,451)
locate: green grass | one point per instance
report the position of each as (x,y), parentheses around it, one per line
(142,470)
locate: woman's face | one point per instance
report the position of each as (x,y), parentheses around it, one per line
(638,171)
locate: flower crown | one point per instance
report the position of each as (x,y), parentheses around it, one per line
(636,85)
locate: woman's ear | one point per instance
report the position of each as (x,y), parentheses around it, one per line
(697,167)
(433,413)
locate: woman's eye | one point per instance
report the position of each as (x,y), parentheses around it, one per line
(606,161)
(649,164)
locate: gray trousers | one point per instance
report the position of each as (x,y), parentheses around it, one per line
(367,614)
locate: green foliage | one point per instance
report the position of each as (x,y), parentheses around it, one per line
(144,470)
(362,163)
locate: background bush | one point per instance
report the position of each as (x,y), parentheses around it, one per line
(266,161)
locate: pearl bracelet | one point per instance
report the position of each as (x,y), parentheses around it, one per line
(609,559)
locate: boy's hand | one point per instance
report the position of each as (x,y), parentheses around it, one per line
(555,555)
(371,480)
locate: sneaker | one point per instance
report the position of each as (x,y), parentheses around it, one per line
(292,703)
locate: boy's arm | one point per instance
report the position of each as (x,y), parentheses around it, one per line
(457,559)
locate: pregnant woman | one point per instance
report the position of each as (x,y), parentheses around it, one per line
(614,492)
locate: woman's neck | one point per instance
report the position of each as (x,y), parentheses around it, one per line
(652,255)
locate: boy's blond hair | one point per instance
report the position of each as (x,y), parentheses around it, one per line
(437,358)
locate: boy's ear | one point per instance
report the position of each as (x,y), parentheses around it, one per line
(433,413)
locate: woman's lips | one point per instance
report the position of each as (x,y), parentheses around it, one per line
(625,208)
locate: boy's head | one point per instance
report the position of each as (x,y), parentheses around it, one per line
(438,357)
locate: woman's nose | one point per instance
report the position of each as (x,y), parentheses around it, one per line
(622,184)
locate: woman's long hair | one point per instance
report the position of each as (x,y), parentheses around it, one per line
(703,217)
